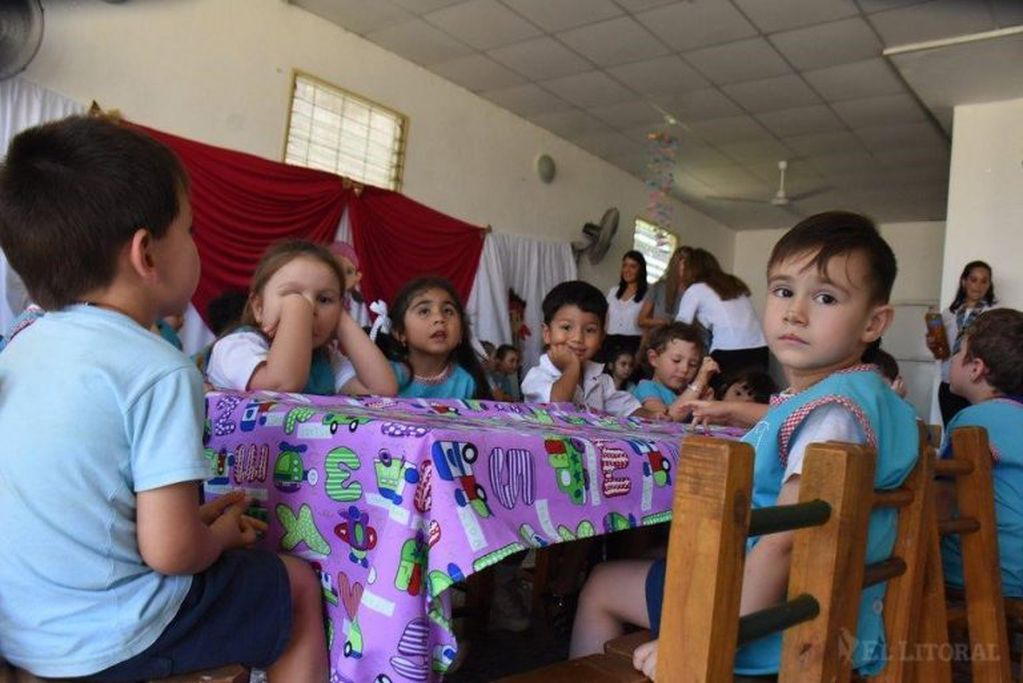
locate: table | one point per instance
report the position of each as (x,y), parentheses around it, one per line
(394,500)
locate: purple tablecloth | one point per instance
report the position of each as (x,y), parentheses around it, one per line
(393,500)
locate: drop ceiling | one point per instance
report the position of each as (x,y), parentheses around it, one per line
(749,83)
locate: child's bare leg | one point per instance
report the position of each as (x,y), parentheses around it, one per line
(305,658)
(614,594)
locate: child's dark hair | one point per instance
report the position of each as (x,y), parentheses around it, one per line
(760,384)
(582,295)
(225,310)
(503,350)
(641,283)
(665,334)
(488,347)
(278,256)
(703,266)
(996,337)
(886,363)
(835,233)
(72,193)
(960,297)
(463,354)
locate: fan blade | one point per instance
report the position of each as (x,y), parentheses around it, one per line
(809,193)
(719,198)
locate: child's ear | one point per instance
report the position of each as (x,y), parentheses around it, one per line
(880,319)
(139,253)
(651,356)
(546,334)
(256,301)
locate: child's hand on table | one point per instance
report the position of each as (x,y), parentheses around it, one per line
(226,516)
(645,659)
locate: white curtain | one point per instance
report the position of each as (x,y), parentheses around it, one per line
(528,266)
(23,104)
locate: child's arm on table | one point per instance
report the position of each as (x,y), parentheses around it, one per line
(177,536)
(373,374)
(729,413)
(289,360)
(696,390)
(765,578)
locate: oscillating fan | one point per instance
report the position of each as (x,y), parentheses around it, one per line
(598,237)
(21,33)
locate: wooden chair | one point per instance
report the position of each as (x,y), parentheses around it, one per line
(984,611)
(711,521)
(903,570)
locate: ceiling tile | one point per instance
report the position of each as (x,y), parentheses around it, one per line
(732,180)
(756,152)
(900,135)
(483,24)
(563,14)
(845,164)
(628,114)
(635,6)
(699,105)
(606,145)
(801,120)
(688,25)
(730,129)
(824,143)
(569,123)
(931,20)
(477,72)
(423,6)
(658,76)
(744,60)
(525,100)
(778,15)
(356,16)
(693,153)
(419,42)
(871,6)
(838,42)
(868,78)
(613,42)
(1007,12)
(540,58)
(902,156)
(590,89)
(875,111)
(769,94)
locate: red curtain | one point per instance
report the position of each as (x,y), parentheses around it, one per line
(398,239)
(242,203)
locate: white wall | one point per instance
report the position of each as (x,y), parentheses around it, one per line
(219,71)
(918,249)
(985,197)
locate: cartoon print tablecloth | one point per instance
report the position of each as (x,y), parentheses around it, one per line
(393,500)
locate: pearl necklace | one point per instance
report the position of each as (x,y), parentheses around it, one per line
(435,379)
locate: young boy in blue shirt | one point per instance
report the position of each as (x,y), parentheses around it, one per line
(829,280)
(988,372)
(111,569)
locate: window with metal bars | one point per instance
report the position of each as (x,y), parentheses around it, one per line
(334,130)
(656,244)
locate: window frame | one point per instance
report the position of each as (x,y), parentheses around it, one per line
(677,241)
(403,119)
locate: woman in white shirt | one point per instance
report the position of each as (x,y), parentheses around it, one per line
(976,294)
(624,302)
(720,302)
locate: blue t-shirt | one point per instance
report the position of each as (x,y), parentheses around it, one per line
(651,388)
(459,384)
(93,409)
(890,426)
(1003,420)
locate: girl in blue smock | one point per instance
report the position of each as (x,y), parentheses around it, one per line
(433,357)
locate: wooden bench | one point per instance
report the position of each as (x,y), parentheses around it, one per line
(710,524)
(985,610)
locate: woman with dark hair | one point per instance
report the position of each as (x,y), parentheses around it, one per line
(975,295)
(720,302)
(623,305)
(661,302)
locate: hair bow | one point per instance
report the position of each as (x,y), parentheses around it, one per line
(382,323)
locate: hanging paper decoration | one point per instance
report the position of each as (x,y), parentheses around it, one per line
(660,177)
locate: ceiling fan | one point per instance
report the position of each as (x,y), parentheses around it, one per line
(780,198)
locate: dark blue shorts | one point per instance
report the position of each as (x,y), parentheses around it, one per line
(655,594)
(238,611)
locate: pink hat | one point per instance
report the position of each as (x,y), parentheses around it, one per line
(341,248)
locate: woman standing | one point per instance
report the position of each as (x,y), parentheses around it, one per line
(661,302)
(720,302)
(623,306)
(975,295)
